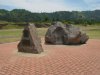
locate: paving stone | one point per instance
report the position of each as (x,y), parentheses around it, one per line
(58,60)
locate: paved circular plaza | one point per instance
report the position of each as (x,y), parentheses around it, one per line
(55,60)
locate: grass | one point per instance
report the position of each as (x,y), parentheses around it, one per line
(12,27)
(11,32)
(7,40)
(42,31)
(94,34)
(92,31)
(11,35)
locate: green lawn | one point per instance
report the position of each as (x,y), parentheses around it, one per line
(92,31)
(94,34)
(12,35)
(11,32)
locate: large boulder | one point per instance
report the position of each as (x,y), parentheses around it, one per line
(60,33)
(30,42)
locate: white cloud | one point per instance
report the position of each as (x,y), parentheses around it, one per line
(94,4)
(37,5)
(51,5)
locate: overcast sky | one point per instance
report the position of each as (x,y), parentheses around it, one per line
(50,5)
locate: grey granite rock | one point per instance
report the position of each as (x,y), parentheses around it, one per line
(59,33)
(30,42)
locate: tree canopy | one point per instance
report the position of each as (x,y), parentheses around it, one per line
(78,17)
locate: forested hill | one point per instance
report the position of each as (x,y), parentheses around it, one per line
(22,15)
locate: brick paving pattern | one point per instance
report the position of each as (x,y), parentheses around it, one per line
(55,60)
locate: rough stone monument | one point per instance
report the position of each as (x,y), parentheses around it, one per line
(60,33)
(30,42)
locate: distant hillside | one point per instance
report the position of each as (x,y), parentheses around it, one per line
(77,17)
